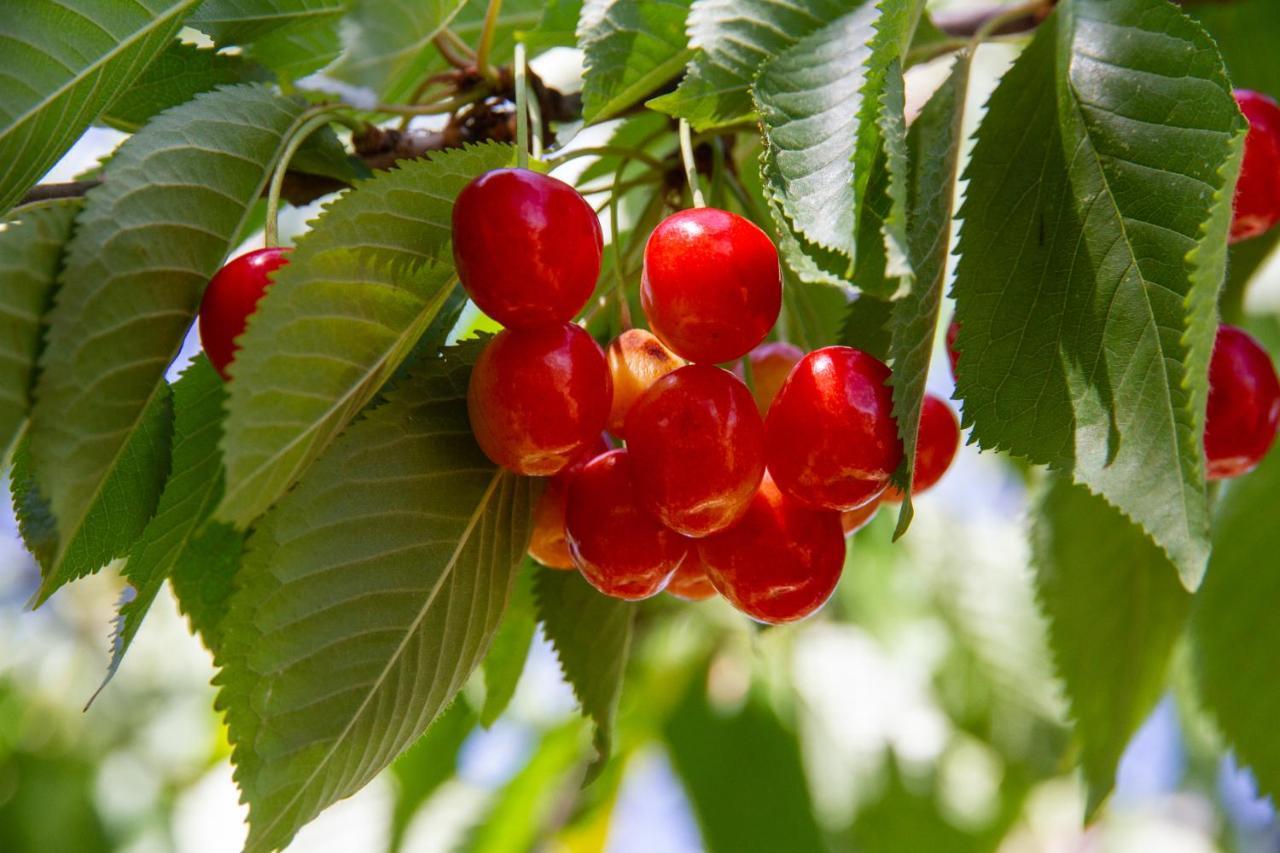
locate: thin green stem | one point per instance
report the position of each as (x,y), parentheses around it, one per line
(444,105)
(486,40)
(522,109)
(615,237)
(606,151)
(690,167)
(321,116)
(454,50)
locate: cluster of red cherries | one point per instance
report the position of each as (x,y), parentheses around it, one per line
(742,481)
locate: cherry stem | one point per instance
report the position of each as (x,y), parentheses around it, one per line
(615,237)
(486,40)
(454,50)
(522,107)
(607,151)
(308,123)
(690,167)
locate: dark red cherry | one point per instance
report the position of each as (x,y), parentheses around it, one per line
(230,298)
(771,364)
(781,562)
(636,359)
(711,286)
(690,581)
(619,548)
(549,545)
(1244,405)
(1257,199)
(953,356)
(936,446)
(526,246)
(538,398)
(697,444)
(830,437)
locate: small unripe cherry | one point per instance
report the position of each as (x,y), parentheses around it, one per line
(711,285)
(1244,405)
(781,562)
(548,544)
(232,295)
(690,581)
(538,398)
(526,246)
(853,520)
(1257,198)
(620,549)
(697,444)
(636,359)
(830,437)
(937,441)
(771,364)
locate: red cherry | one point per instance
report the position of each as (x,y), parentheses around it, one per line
(698,447)
(936,446)
(830,437)
(953,331)
(711,286)
(230,298)
(548,545)
(1257,200)
(1244,405)
(539,398)
(771,364)
(526,246)
(619,548)
(853,520)
(637,359)
(781,562)
(690,581)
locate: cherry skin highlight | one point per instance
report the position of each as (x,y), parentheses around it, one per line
(232,295)
(781,562)
(711,285)
(620,549)
(771,364)
(697,444)
(526,246)
(636,359)
(538,398)
(1257,199)
(830,437)
(936,446)
(1244,405)
(690,581)
(549,545)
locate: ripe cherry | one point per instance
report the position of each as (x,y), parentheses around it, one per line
(549,545)
(853,520)
(781,562)
(230,298)
(770,365)
(697,443)
(711,286)
(1257,199)
(539,398)
(1244,405)
(619,548)
(637,359)
(936,446)
(690,581)
(830,437)
(953,355)
(526,246)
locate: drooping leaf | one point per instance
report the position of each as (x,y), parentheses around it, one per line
(365,601)
(632,48)
(359,291)
(1100,180)
(64,63)
(510,648)
(591,634)
(934,143)
(734,39)
(1233,627)
(427,765)
(31,244)
(145,245)
(244,21)
(176,76)
(1114,609)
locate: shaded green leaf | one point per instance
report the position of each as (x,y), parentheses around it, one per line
(427,765)
(295,52)
(510,648)
(1086,283)
(244,21)
(632,47)
(1114,609)
(866,326)
(557,27)
(815,313)
(365,601)
(389,48)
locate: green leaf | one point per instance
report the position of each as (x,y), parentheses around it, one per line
(31,243)
(1115,610)
(295,52)
(365,601)
(427,765)
(735,38)
(1233,627)
(64,64)
(358,292)
(632,47)
(866,326)
(244,21)
(389,48)
(146,243)
(1101,177)
(934,144)
(510,648)
(36,526)
(591,634)
(557,27)
(815,313)
(176,76)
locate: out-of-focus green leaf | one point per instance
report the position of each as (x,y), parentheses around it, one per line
(427,765)
(632,47)
(558,26)
(510,647)
(294,52)
(389,45)
(244,21)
